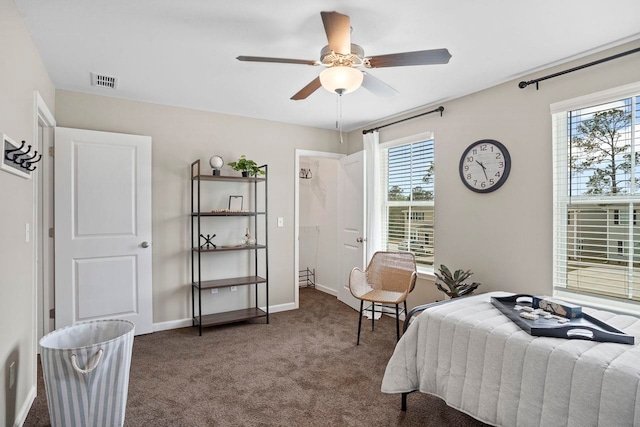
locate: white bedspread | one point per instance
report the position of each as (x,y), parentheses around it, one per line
(481,363)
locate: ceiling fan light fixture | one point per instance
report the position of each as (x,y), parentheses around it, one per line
(340,78)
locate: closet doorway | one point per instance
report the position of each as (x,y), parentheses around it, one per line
(316,222)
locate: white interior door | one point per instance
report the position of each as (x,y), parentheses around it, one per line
(352,222)
(102,228)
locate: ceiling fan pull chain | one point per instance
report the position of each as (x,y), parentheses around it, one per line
(339,119)
(338,112)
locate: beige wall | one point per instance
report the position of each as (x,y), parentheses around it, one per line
(21,73)
(181,136)
(504,237)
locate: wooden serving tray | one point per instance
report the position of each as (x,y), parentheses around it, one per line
(584,328)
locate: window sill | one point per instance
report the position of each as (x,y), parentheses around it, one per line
(425,273)
(599,302)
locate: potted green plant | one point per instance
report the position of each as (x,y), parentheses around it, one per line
(455,286)
(246,166)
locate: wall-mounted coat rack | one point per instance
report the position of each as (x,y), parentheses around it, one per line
(18,159)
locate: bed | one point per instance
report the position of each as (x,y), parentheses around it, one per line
(479,362)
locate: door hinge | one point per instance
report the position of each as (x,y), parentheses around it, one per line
(52,233)
(51,151)
(52,313)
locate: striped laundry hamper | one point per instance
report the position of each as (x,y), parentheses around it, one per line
(86,373)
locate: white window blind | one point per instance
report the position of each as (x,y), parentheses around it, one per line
(597,197)
(407,180)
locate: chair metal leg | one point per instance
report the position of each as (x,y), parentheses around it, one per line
(373,313)
(397,323)
(360,321)
(406,312)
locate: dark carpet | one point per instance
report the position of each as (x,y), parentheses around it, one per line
(303,369)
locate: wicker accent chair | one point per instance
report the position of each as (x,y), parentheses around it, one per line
(387,281)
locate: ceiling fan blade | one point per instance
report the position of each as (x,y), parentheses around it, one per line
(420,57)
(338,29)
(307,90)
(277,60)
(377,86)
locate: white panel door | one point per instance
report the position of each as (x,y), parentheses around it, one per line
(352,222)
(102,228)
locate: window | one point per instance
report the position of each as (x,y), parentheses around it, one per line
(407,181)
(596,194)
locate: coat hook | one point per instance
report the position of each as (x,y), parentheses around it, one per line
(25,160)
(27,165)
(16,157)
(6,153)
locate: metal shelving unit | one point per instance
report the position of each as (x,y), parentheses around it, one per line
(197,252)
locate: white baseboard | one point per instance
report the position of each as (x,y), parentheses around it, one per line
(21,416)
(327,290)
(184,323)
(280,307)
(171,324)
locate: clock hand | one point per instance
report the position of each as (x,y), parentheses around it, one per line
(484,169)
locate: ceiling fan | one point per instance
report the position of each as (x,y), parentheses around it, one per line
(341,59)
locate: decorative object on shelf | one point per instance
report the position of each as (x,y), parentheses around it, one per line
(228,211)
(18,160)
(485,166)
(247,239)
(207,241)
(246,166)
(235,203)
(216,163)
(454,282)
(306,173)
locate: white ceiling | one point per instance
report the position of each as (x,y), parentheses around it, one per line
(182,53)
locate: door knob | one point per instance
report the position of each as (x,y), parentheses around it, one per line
(360,240)
(145,244)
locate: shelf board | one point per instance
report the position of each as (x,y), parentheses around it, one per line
(205,177)
(230,248)
(231,281)
(195,214)
(230,316)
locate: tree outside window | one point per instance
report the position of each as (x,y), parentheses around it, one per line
(599,247)
(601,153)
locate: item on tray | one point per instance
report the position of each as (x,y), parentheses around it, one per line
(557,307)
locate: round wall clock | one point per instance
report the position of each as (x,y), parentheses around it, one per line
(485,166)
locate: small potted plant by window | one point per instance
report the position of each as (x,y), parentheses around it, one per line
(246,166)
(454,282)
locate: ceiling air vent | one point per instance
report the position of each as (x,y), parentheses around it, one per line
(101,80)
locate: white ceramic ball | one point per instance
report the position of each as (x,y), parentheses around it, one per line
(216,162)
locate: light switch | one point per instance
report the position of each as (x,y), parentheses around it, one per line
(280,221)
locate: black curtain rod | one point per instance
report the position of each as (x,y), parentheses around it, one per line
(440,109)
(524,84)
